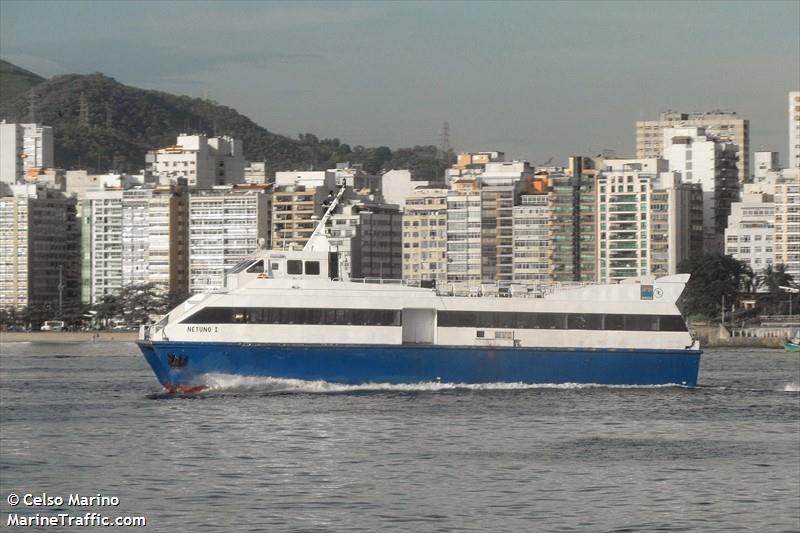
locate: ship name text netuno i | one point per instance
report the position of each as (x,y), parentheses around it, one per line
(288,314)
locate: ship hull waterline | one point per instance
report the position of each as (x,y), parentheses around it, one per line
(183,366)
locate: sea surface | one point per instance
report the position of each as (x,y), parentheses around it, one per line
(267,455)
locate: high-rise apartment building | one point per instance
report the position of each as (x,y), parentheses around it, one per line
(103,221)
(794,129)
(464,251)
(532,243)
(226,225)
(133,236)
(573,219)
(648,221)
(787,222)
(724,126)
(24,147)
(203,162)
(298,201)
(368,238)
(425,235)
(39,248)
(168,238)
(710,163)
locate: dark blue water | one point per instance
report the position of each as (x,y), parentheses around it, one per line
(262,455)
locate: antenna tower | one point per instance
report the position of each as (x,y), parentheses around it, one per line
(83,111)
(444,140)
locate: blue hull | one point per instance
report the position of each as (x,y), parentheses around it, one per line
(181,366)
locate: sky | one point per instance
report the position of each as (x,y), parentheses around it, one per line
(537,80)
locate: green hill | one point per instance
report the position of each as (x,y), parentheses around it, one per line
(16,81)
(125,122)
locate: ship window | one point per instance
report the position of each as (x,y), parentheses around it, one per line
(551,320)
(294,266)
(615,322)
(240,266)
(275,266)
(312,268)
(576,321)
(641,323)
(256,267)
(672,323)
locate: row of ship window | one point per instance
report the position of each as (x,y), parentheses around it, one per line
(463,319)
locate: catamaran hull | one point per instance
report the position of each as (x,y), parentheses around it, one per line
(184,366)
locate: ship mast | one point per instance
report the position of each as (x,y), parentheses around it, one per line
(319,231)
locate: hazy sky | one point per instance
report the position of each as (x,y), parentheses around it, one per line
(536,79)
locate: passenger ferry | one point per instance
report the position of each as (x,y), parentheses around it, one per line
(287,314)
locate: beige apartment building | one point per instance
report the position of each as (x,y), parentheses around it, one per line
(39,248)
(725,126)
(425,235)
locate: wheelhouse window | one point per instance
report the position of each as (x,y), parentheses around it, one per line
(312,268)
(257,267)
(294,266)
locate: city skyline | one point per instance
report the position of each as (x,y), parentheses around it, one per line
(505,76)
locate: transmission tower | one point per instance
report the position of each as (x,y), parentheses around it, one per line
(444,141)
(83,111)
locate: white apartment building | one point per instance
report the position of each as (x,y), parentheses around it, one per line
(225,226)
(787,222)
(24,147)
(398,185)
(255,173)
(794,129)
(725,126)
(751,231)
(203,162)
(464,231)
(425,235)
(119,228)
(532,244)
(710,163)
(104,220)
(648,220)
(133,236)
(764,163)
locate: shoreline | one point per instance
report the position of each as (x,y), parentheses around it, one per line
(67,336)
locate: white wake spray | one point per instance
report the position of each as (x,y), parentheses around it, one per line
(233,383)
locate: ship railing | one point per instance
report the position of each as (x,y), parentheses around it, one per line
(499,289)
(149,332)
(474,289)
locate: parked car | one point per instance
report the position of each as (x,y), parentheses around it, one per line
(53,325)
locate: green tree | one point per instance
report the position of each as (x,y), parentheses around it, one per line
(713,277)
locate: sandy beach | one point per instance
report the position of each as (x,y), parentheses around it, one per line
(67,336)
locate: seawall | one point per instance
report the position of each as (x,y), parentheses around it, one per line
(68,336)
(717,336)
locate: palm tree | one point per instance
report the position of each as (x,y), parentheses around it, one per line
(776,277)
(751,281)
